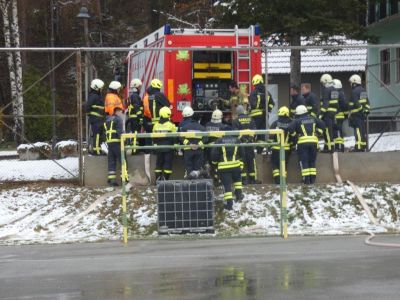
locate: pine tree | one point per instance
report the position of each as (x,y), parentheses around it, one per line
(293,19)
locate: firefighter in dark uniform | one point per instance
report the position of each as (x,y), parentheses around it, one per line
(164,156)
(282,123)
(94,107)
(310,99)
(243,122)
(193,152)
(329,109)
(114,128)
(258,107)
(214,125)
(228,161)
(340,116)
(296,99)
(135,109)
(358,111)
(306,128)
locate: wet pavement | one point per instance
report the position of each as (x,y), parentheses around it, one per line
(245,268)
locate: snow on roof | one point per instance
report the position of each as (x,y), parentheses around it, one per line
(317,60)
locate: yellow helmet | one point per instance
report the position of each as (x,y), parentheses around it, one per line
(283,111)
(257,79)
(156,83)
(165,112)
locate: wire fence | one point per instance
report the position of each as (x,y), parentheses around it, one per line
(381,76)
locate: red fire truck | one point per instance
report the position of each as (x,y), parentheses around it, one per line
(196,77)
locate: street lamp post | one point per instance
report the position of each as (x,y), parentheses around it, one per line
(52,78)
(84,15)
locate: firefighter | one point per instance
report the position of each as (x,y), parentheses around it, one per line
(329,109)
(164,156)
(114,128)
(237,98)
(310,99)
(228,162)
(193,152)
(358,111)
(296,99)
(113,99)
(259,107)
(306,129)
(135,109)
(153,101)
(95,109)
(282,123)
(243,122)
(340,116)
(214,125)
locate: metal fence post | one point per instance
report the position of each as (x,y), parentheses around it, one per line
(79,112)
(282,186)
(124,175)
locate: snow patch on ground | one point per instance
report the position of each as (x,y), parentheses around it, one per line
(43,213)
(16,170)
(390,141)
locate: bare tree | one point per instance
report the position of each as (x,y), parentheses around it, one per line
(9,12)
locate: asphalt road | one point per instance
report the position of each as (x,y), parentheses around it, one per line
(246,268)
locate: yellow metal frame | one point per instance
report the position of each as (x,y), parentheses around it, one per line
(279,132)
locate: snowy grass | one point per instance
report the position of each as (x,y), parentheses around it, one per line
(35,170)
(41,213)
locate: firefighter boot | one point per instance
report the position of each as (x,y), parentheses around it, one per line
(228,205)
(239,195)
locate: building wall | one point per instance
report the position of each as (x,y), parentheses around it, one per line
(388,31)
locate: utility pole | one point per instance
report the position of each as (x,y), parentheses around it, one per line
(84,15)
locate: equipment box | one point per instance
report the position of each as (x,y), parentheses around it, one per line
(185,206)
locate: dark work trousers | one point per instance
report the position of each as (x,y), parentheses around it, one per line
(233,176)
(148,127)
(132,126)
(275,162)
(164,164)
(338,135)
(193,160)
(260,125)
(357,121)
(97,136)
(329,120)
(114,157)
(249,169)
(307,156)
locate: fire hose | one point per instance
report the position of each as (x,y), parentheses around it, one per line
(356,190)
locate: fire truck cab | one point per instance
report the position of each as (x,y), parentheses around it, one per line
(190,74)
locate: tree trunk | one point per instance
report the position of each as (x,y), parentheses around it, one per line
(295,61)
(18,68)
(4,6)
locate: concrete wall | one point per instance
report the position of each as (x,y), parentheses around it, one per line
(357,167)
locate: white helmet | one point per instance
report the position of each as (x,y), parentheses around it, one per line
(187,112)
(301,109)
(355,79)
(115,85)
(326,79)
(97,84)
(136,83)
(216,115)
(337,84)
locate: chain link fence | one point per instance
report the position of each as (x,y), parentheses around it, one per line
(46,133)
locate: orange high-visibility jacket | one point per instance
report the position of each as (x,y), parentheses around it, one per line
(112,101)
(146,106)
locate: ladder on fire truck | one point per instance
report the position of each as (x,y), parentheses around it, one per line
(243,57)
